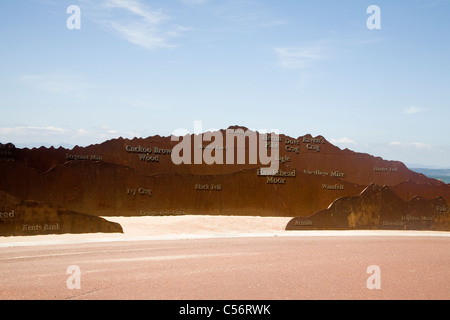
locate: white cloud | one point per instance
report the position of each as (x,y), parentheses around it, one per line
(344,140)
(418,145)
(140,35)
(246,16)
(413,109)
(31,130)
(143,103)
(135,22)
(194,1)
(137,8)
(275,23)
(177,31)
(82,132)
(56,83)
(298,57)
(52,135)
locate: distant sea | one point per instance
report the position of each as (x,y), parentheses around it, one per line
(440,174)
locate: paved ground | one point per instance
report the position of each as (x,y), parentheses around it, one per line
(260,268)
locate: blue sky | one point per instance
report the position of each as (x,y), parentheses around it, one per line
(140,68)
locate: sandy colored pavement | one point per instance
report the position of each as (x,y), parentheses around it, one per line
(225,258)
(165,228)
(197,227)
